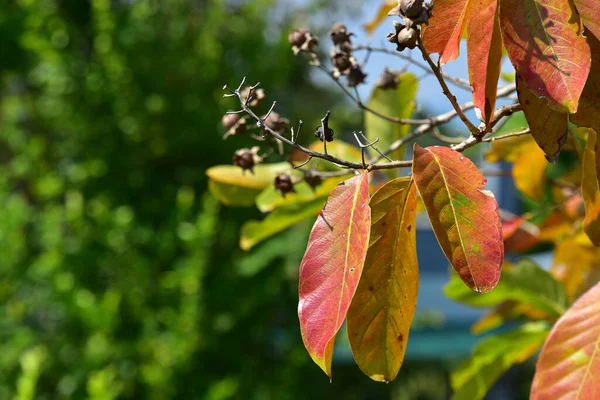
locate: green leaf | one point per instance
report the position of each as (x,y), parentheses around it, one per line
(254,232)
(397,103)
(492,357)
(235,187)
(526,283)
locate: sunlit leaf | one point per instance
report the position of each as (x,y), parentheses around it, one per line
(548,126)
(382,14)
(484,55)
(254,232)
(569,364)
(236,187)
(398,103)
(588,114)
(492,357)
(381,312)
(464,215)
(270,198)
(332,266)
(529,169)
(337,148)
(519,235)
(576,264)
(590,187)
(545,44)
(589,10)
(525,283)
(442,34)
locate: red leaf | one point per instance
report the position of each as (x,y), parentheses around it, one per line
(463,215)
(545,44)
(443,33)
(569,364)
(590,14)
(484,54)
(332,265)
(588,113)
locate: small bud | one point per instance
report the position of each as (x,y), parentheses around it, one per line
(312,179)
(339,33)
(355,76)
(246,159)
(387,80)
(276,122)
(284,183)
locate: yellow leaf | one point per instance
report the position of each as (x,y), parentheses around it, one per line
(382,13)
(529,170)
(590,187)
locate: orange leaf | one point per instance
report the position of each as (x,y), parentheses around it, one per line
(384,304)
(463,215)
(588,113)
(332,265)
(484,54)
(590,187)
(545,44)
(445,28)
(548,127)
(589,10)
(569,364)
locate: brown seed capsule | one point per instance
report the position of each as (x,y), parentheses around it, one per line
(284,183)
(387,80)
(339,33)
(407,38)
(312,179)
(276,122)
(342,61)
(355,76)
(297,37)
(256,96)
(247,158)
(411,8)
(229,120)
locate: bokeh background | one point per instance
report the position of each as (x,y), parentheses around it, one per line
(120,276)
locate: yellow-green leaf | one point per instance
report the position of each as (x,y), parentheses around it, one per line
(381,312)
(590,187)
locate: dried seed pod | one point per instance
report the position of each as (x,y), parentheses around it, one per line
(411,8)
(312,179)
(339,34)
(355,76)
(284,183)
(229,120)
(256,96)
(276,122)
(247,158)
(407,38)
(297,37)
(342,62)
(328,133)
(387,80)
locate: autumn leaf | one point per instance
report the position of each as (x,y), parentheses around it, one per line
(492,357)
(590,187)
(464,216)
(332,266)
(569,363)
(271,198)
(442,34)
(529,170)
(548,127)
(484,56)
(589,10)
(588,114)
(576,264)
(545,44)
(398,103)
(382,14)
(384,304)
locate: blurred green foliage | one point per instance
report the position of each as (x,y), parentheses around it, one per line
(119,276)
